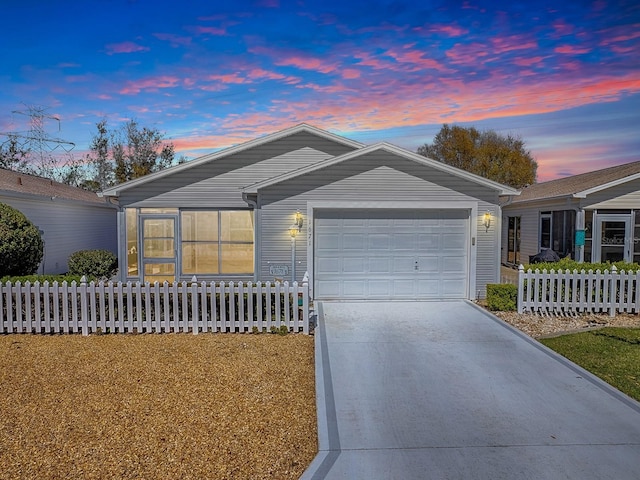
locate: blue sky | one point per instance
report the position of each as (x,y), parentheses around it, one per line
(565,76)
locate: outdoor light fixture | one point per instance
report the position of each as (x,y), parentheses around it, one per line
(299,220)
(293,230)
(486,220)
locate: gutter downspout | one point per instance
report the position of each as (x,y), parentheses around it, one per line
(256,229)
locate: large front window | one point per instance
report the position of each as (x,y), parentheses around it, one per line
(217,242)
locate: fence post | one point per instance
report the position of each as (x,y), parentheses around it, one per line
(305,304)
(520,287)
(613,284)
(84,314)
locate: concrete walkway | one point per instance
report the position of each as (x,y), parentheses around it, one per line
(443,390)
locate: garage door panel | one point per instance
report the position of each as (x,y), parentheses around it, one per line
(329,241)
(374,254)
(354,288)
(379,241)
(429,241)
(403,241)
(329,265)
(453,288)
(379,265)
(353,241)
(379,288)
(403,265)
(354,265)
(453,264)
(429,264)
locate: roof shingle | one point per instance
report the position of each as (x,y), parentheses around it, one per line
(30,184)
(577,183)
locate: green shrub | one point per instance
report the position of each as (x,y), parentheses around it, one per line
(502,297)
(41,278)
(98,264)
(21,246)
(568,264)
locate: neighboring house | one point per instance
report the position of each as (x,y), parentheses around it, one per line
(69,218)
(374,222)
(603,207)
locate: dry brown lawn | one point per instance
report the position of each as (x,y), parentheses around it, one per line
(172,406)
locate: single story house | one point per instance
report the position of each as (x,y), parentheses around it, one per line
(591,217)
(364,221)
(69,218)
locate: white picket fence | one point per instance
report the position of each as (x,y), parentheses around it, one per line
(153,308)
(570,292)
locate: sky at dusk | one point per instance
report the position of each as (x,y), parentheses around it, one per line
(563,75)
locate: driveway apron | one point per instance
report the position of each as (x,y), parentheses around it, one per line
(445,390)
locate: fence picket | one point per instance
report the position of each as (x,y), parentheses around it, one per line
(579,291)
(143,307)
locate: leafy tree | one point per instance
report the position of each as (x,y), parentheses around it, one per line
(21,246)
(139,151)
(13,156)
(500,158)
(125,153)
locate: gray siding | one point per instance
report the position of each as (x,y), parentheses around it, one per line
(377,177)
(218,183)
(68,227)
(626,195)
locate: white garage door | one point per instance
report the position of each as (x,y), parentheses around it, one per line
(391,254)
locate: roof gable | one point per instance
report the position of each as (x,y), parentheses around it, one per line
(323,134)
(24,184)
(581,185)
(389,148)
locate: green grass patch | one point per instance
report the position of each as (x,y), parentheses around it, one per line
(612,353)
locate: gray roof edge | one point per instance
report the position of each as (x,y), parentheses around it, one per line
(256,142)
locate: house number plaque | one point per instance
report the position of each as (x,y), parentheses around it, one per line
(279,270)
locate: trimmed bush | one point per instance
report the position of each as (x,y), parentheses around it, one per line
(21,246)
(41,278)
(568,264)
(502,297)
(95,264)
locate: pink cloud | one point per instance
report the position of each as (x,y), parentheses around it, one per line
(153,84)
(350,73)
(448,30)
(229,78)
(174,40)
(527,62)
(415,58)
(512,42)
(467,54)
(306,63)
(125,47)
(571,50)
(210,30)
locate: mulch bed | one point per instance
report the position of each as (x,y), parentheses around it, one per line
(215,406)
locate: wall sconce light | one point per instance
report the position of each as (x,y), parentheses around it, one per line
(299,221)
(486,220)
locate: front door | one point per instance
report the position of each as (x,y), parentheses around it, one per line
(612,238)
(158,248)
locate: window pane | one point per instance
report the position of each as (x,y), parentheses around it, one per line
(237,226)
(158,227)
(159,272)
(199,258)
(158,210)
(237,258)
(200,226)
(132,241)
(158,248)
(545,232)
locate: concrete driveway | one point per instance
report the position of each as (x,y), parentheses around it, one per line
(443,390)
